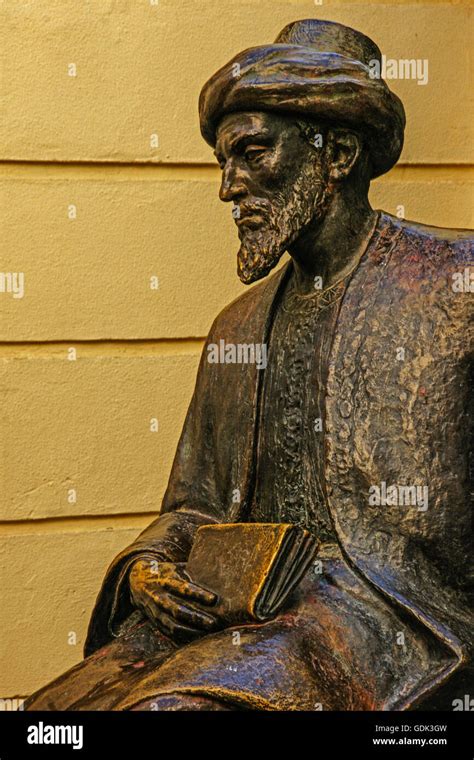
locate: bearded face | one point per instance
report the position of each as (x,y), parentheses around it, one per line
(278,183)
(278,222)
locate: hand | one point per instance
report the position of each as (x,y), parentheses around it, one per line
(168,597)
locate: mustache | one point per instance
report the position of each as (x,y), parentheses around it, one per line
(254,206)
(265,207)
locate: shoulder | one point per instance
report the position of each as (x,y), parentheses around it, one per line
(425,246)
(429,275)
(251,306)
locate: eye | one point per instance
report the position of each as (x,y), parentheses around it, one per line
(254,154)
(220,160)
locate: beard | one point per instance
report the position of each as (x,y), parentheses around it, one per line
(288,213)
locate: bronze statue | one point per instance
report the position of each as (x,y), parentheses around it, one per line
(332,396)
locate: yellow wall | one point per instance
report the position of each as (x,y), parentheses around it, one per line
(92,211)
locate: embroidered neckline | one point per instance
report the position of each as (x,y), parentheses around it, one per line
(317,301)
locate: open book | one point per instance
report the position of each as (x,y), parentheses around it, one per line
(252,567)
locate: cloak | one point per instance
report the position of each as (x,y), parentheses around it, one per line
(396,413)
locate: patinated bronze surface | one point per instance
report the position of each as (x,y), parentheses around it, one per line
(332,395)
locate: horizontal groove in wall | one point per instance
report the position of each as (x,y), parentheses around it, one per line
(80,523)
(197,172)
(165,347)
(106,171)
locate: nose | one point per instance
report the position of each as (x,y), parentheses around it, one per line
(232,184)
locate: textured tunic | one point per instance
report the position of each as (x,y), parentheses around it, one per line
(289,481)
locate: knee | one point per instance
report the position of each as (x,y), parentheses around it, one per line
(175,701)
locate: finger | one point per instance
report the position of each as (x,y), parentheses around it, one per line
(145,602)
(155,604)
(188,590)
(172,577)
(176,631)
(185,613)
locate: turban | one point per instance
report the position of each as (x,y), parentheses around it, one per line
(316,69)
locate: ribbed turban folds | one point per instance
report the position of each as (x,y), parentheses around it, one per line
(318,70)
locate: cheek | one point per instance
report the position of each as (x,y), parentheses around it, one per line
(274,171)
(270,178)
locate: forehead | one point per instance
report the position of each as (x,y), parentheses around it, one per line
(235,126)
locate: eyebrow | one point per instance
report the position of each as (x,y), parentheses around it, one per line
(240,142)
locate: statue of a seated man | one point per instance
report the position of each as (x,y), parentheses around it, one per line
(355,426)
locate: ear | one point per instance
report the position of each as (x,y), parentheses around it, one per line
(346,149)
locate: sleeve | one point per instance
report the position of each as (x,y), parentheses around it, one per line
(192,499)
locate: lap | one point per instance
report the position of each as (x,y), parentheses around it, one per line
(338,645)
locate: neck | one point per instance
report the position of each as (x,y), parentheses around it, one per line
(331,249)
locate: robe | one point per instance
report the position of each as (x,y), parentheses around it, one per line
(389,622)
